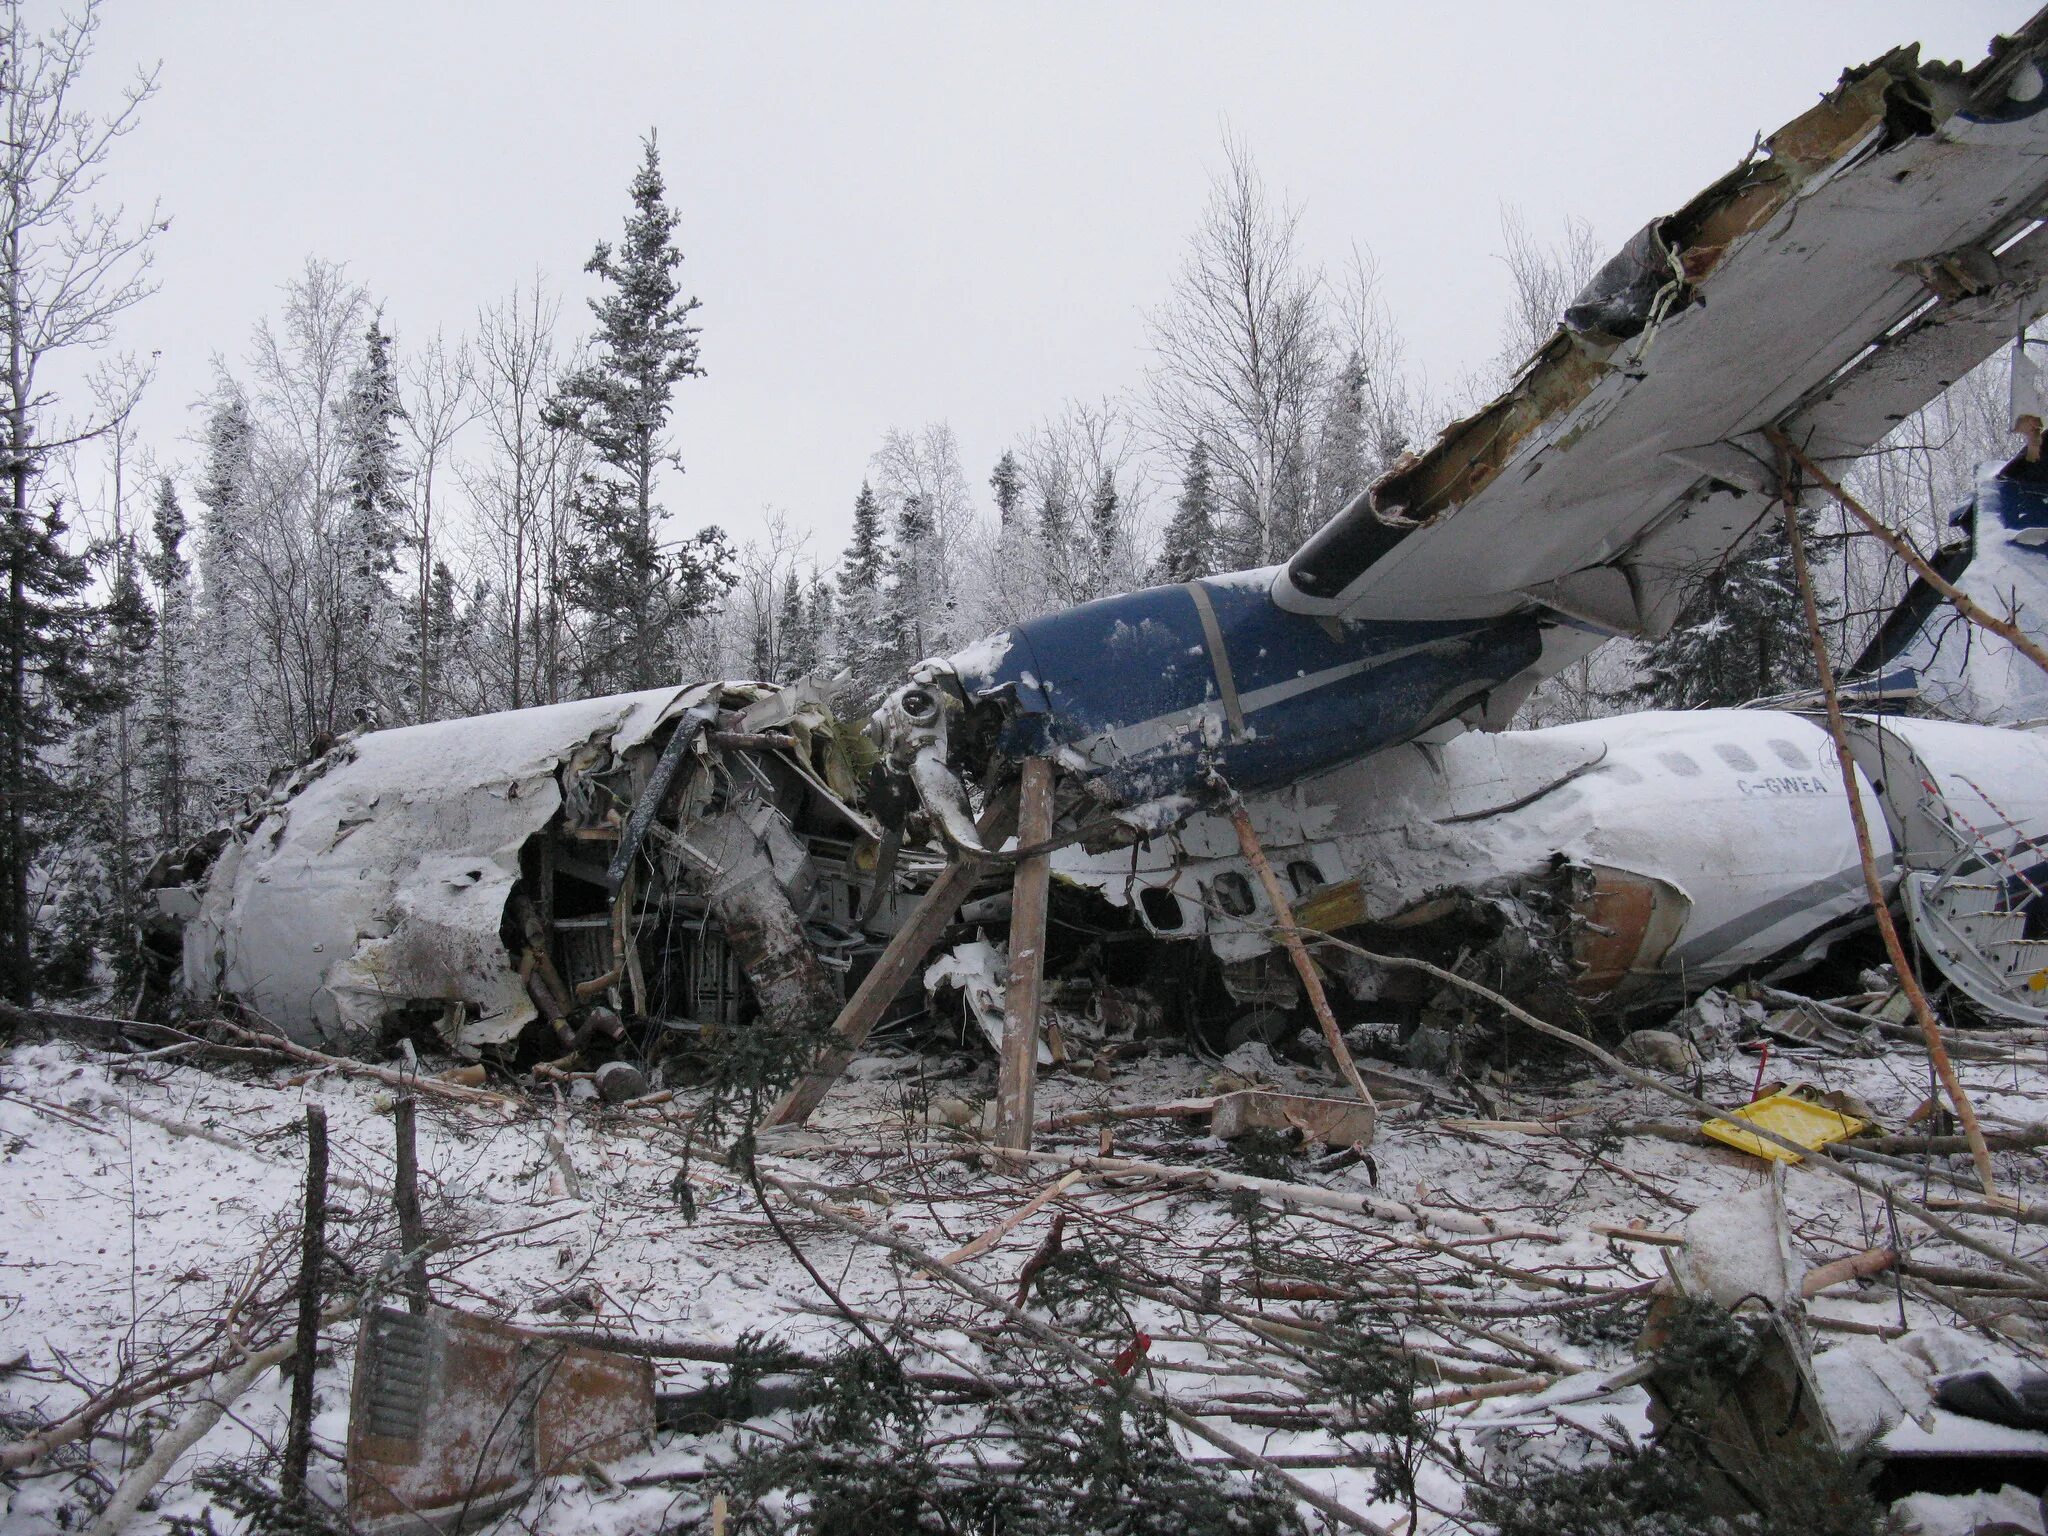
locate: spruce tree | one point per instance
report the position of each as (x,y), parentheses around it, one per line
(167,745)
(864,650)
(99,883)
(795,656)
(1740,636)
(55,643)
(368,635)
(1008,483)
(442,629)
(1104,533)
(818,617)
(912,580)
(638,594)
(1190,543)
(232,667)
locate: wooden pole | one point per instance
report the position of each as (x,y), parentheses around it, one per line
(1017,1083)
(405,1194)
(878,989)
(1290,937)
(298,1442)
(1873,884)
(2005,629)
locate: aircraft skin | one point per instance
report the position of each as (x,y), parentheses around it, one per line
(1151,692)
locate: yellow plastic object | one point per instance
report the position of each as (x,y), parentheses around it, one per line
(1795,1119)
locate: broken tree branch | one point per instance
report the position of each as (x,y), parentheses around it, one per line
(409,1082)
(1016,1085)
(1887,929)
(405,1194)
(1074,1354)
(878,989)
(1808,1157)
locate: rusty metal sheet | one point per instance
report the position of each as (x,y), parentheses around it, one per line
(454,1418)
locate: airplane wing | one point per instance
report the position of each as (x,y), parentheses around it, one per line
(1858,261)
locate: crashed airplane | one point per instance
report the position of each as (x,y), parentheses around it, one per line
(692,858)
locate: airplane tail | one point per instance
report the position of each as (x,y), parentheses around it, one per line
(1926,658)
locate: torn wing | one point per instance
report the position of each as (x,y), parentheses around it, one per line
(1861,259)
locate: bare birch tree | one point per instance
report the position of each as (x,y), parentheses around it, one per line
(1241,354)
(440,402)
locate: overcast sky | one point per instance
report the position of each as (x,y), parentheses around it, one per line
(896,213)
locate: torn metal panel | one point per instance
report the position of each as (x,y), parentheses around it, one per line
(453,1418)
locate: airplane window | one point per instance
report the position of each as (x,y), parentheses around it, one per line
(1303,875)
(1233,893)
(1623,774)
(1788,754)
(1735,757)
(1679,764)
(1162,908)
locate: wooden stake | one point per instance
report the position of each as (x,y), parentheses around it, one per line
(1017,1083)
(298,1442)
(405,1194)
(1874,885)
(2005,629)
(1290,936)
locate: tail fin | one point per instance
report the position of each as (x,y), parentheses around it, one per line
(1927,657)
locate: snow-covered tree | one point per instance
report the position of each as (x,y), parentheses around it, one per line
(862,650)
(1190,541)
(1007,482)
(68,271)
(172,685)
(372,649)
(1741,636)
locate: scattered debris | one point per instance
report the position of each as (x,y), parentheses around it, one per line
(1793,1116)
(454,1418)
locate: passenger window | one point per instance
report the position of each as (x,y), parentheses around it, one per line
(1623,774)
(1788,754)
(1162,909)
(1233,893)
(1679,764)
(1735,758)
(1303,875)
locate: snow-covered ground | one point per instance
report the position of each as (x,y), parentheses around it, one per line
(142,1197)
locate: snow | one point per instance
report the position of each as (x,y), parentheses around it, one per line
(980,660)
(119,1236)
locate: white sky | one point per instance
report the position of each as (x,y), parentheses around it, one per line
(898,212)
